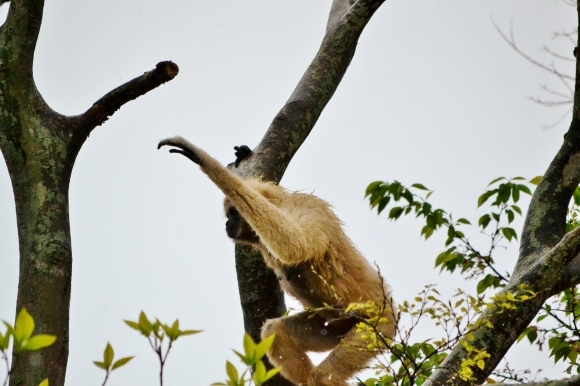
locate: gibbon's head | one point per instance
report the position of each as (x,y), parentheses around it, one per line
(237,228)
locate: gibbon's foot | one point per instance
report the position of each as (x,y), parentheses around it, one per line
(182,148)
(242,152)
(316,379)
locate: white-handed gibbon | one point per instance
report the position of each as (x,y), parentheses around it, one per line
(302,240)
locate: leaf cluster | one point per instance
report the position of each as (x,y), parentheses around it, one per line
(156,332)
(460,253)
(21,335)
(108,363)
(252,358)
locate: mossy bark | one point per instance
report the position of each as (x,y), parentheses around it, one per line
(40,146)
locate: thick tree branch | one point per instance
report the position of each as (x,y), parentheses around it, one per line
(19,35)
(337,11)
(545,222)
(296,119)
(287,132)
(547,261)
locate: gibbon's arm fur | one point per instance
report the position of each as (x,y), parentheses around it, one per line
(292,237)
(302,241)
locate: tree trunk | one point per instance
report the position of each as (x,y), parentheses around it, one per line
(40,147)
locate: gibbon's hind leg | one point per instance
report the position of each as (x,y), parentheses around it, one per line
(300,333)
(348,358)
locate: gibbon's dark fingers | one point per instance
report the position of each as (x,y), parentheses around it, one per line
(242,152)
(182,149)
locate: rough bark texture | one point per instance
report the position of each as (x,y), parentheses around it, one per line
(572,381)
(40,146)
(260,294)
(547,263)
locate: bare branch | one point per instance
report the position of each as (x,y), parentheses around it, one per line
(102,109)
(512,43)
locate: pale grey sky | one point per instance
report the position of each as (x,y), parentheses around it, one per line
(433,95)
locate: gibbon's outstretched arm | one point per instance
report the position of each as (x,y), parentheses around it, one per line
(291,238)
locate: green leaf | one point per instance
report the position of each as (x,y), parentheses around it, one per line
(108,355)
(536,180)
(383,203)
(484,221)
(100,365)
(145,326)
(395,212)
(190,332)
(464,221)
(524,189)
(271,373)
(133,325)
(243,357)
(5,340)
(419,186)
(44,382)
(517,209)
(511,216)
(431,223)
(249,347)
(509,233)
(496,180)
(264,346)
(23,327)
(532,336)
(372,187)
(503,195)
(259,373)
(576,196)
(484,197)
(516,193)
(39,341)
(232,372)
(121,362)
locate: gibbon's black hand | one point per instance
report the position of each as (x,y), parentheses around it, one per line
(181,149)
(241,153)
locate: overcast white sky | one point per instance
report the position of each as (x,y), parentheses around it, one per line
(433,95)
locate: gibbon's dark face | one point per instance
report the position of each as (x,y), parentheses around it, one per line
(238,228)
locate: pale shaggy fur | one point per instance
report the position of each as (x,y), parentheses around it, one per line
(302,240)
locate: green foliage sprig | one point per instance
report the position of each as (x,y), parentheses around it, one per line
(22,339)
(156,332)
(503,195)
(108,363)
(557,325)
(252,358)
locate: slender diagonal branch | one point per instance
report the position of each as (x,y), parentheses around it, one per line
(102,109)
